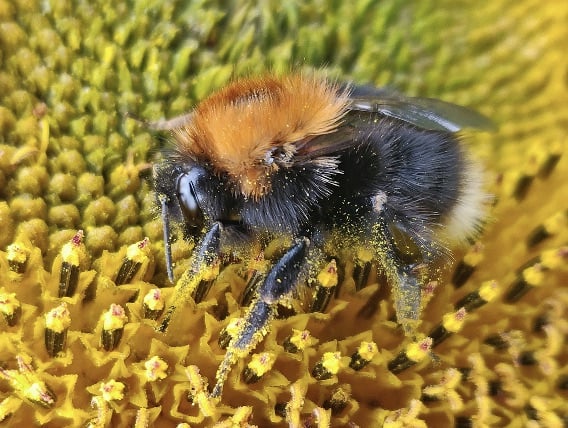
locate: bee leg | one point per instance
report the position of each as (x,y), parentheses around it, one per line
(204,268)
(280,282)
(406,286)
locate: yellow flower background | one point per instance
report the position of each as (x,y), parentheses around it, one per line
(71,160)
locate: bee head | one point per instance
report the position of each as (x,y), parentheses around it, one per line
(179,192)
(180,198)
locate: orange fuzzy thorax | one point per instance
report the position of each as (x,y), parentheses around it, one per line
(236,129)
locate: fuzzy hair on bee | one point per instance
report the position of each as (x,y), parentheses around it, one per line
(301,157)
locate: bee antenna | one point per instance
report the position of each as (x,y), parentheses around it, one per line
(167,246)
(135,117)
(164,124)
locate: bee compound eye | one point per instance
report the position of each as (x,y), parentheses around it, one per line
(187,194)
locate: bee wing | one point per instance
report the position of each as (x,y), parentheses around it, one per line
(426,113)
(327,144)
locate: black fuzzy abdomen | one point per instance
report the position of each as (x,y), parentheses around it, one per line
(416,171)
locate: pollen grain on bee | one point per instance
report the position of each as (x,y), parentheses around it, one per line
(379,200)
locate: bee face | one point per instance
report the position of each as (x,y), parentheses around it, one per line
(300,157)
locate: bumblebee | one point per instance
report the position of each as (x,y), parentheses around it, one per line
(313,161)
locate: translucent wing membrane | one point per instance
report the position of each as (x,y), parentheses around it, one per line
(327,144)
(426,113)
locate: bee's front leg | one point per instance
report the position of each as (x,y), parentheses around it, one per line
(204,268)
(279,283)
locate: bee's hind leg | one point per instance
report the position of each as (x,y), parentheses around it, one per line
(403,277)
